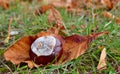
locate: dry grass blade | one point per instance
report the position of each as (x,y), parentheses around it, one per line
(9,27)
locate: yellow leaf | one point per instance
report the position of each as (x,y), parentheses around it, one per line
(102,62)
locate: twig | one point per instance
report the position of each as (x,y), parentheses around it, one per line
(107,24)
(9,27)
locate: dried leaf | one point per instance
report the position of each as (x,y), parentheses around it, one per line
(43,9)
(109,15)
(54,16)
(4,3)
(19,52)
(31,64)
(107,3)
(102,62)
(72,27)
(117,20)
(76,45)
(83,26)
(73,47)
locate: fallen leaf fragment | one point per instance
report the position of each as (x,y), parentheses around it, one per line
(107,3)
(19,52)
(31,64)
(102,62)
(4,3)
(109,15)
(117,20)
(43,9)
(54,16)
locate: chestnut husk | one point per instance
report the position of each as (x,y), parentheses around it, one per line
(52,58)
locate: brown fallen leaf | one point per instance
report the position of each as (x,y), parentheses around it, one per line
(76,45)
(43,9)
(107,3)
(117,20)
(4,3)
(110,15)
(102,62)
(55,17)
(19,52)
(73,47)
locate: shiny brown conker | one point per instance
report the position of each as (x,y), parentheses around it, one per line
(44,45)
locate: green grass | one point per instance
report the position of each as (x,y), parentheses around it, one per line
(27,23)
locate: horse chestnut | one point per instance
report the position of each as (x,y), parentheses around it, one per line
(46,49)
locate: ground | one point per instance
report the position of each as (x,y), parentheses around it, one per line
(27,23)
